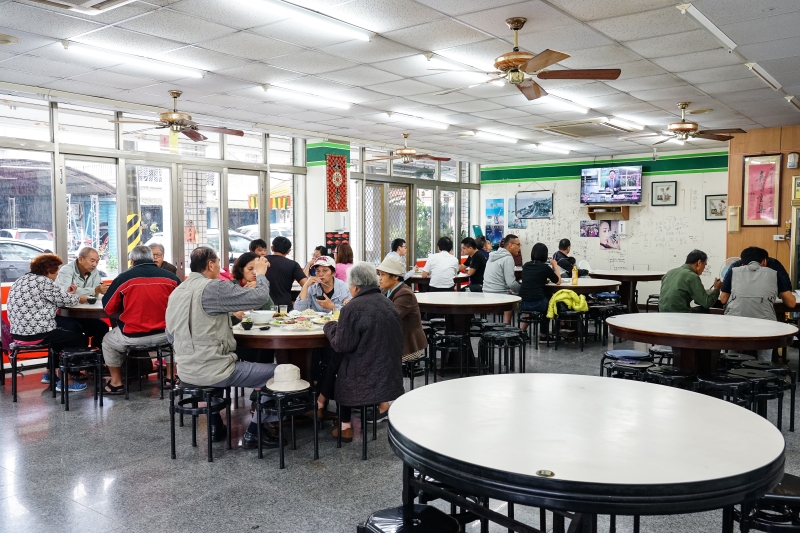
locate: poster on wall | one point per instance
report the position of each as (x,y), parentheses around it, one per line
(513,221)
(332,240)
(535,204)
(716,206)
(590,228)
(762,177)
(494,234)
(494,212)
(336,182)
(608,231)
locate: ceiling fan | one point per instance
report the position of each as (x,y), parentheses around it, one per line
(515,65)
(686,129)
(180,122)
(408,154)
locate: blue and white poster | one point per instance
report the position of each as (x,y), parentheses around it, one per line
(513,221)
(494,213)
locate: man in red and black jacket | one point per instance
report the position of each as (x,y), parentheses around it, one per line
(139,296)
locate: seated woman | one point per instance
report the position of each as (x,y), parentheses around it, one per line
(323,292)
(368,339)
(33,301)
(391,273)
(344,260)
(244,275)
(535,275)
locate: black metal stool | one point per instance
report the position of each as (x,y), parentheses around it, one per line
(730,360)
(75,360)
(363,426)
(214,403)
(411,368)
(289,404)
(578,317)
(784,372)
(734,389)
(437,323)
(509,345)
(765,387)
(159,348)
(447,343)
(661,353)
(776,511)
(17,349)
(416,519)
(533,319)
(628,369)
(670,376)
(653,298)
(633,355)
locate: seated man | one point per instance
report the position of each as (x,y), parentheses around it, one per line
(283,272)
(158,259)
(199,327)
(562,256)
(442,267)
(82,278)
(680,286)
(750,290)
(474,266)
(139,296)
(323,292)
(499,276)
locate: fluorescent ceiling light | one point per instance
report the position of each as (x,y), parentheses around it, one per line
(764,75)
(689,9)
(322,101)
(677,141)
(173,71)
(625,124)
(320,21)
(563,103)
(793,100)
(495,137)
(550,148)
(417,121)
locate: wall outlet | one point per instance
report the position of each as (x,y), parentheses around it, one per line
(779,237)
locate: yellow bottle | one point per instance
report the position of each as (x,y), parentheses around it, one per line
(574,275)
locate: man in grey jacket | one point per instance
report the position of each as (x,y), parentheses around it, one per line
(499,274)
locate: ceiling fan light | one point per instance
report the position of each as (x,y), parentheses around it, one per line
(152,65)
(321,20)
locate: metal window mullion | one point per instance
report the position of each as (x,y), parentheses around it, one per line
(59,190)
(224,240)
(223,146)
(178,221)
(122,219)
(264,193)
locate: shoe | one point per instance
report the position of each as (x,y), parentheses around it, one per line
(218,432)
(320,413)
(347,434)
(381,416)
(46,378)
(250,441)
(75,387)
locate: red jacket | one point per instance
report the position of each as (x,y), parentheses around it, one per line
(139,295)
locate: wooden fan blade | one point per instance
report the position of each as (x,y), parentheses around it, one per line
(154,122)
(723,130)
(542,60)
(432,158)
(662,142)
(581,74)
(531,90)
(712,137)
(193,135)
(468,86)
(226,131)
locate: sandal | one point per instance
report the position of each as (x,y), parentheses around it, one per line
(167,384)
(111,390)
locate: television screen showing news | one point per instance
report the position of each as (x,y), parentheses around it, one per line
(611,185)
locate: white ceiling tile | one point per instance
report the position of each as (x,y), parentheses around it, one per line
(176,26)
(638,69)
(226,100)
(774,121)
(311,62)
(600,56)
(500,114)
(129,42)
(25,78)
(240,15)
(589,90)
(113,79)
(259,73)
(304,35)
(43,22)
(377,49)
(112,16)
(679,92)
(480,55)
(717,74)
(274,108)
(403,88)
(358,95)
(81,87)
(313,116)
(438,35)
(734,98)
(490,90)
(313,84)
(475,105)
(698,60)
(670,104)
(27,41)
(194,107)
(382,16)
(139,98)
(647,82)
(214,83)
(512,100)
(251,46)
(762,108)
(645,24)
(567,39)
(631,109)
(610,100)
(731,86)
(674,44)
(430,98)
(410,67)
(541,17)
(527,120)
(196,57)
(361,75)
(451,80)
(458,118)
(786,70)
(353,111)
(793,89)
(770,49)
(782,26)
(732,11)
(38,65)
(583,10)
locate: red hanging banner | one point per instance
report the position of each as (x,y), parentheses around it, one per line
(336,182)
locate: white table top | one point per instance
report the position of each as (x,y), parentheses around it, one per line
(566,283)
(276,331)
(464,298)
(458,277)
(628,273)
(586,429)
(702,325)
(97,306)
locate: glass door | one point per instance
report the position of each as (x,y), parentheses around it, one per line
(373,223)
(201,213)
(148,210)
(397,216)
(424,213)
(447,214)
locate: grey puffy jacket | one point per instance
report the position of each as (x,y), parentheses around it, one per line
(499,275)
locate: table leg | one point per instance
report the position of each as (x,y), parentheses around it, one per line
(408,491)
(627,291)
(727,520)
(301,358)
(702,362)
(583,523)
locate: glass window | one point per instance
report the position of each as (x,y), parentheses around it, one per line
(463,170)
(281,216)
(420,169)
(92,211)
(355,159)
(243,208)
(397,214)
(150,139)
(449,171)
(371,166)
(447,214)
(85,126)
(464,229)
(373,229)
(24,118)
(249,149)
(280,150)
(26,208)
(148,210)
(201,214)
(424,239)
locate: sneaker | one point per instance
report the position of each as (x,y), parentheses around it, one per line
(46,378)
(75,387)
(381,416)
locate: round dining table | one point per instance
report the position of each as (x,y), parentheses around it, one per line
(423,284)
(87,310)
(584,286)
(697,339)
(581,444)
(291,346)
(629,279)
(458,308)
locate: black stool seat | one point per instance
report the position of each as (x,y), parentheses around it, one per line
(445,343)
(75,360)
(669,370)
(614,355)
(752,374)
(669,375)
(761,365)
(731,360)
(411,519)
(626,368)
(510,344)
(14,350)
(660,349)
(214,403)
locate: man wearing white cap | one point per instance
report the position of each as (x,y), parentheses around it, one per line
(323,292)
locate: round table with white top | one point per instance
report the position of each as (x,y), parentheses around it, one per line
(423,284)
(291,346)
(696,339)
(581,444)
(459,307)
(629,279)
(86,310)
(584,286)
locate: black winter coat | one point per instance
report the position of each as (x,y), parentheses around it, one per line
(369,334)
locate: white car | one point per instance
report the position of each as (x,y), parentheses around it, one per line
(36,237)
(15,258)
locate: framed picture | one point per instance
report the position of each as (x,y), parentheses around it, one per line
(762,190)
(664,193)
(513,221)
(534,204)
(796,187)
(716,206)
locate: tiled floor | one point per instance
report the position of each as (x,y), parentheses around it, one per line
(96,470)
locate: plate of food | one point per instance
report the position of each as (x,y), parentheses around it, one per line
(283,321)
(305,325)
(324,319)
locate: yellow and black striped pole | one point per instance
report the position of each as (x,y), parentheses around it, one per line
(134,233)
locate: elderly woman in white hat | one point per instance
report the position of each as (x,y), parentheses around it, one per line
(391,273)
(323,292)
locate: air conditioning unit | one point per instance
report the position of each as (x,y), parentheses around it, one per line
(593,127)
(87,7)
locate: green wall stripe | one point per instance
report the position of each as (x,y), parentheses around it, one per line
(685,164)
(328,145)
(316,154)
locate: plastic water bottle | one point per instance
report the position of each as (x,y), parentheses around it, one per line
(574,275)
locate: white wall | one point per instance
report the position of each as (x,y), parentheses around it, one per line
(658,238)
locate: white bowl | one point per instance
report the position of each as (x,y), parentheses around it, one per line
(260,317)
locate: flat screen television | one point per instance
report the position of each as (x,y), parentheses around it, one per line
(611,185)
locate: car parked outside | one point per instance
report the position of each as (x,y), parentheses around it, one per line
(35,237)
(15,258)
